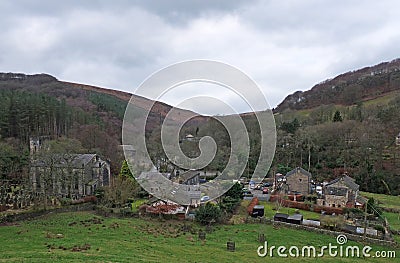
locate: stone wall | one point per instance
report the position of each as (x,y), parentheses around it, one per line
(357,238)
(335,201)
(353,237)
(30,215)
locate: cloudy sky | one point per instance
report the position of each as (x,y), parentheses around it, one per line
(283,45)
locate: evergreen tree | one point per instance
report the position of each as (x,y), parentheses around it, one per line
(337,117)
(125,172)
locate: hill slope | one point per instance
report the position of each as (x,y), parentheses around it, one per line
(41,105)
(348,88)
(345,125)
(359,140)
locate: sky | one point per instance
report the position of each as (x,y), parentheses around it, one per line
(284,46)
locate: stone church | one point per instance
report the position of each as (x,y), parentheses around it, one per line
(67,175)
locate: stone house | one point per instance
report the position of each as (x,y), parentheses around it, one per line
(156,184)
(189,178)
(341,192)
(298,181)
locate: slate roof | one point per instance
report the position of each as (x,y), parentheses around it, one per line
(296,217)
(188,175)
(77,160)
(362,200)
(281,215)
(300,170)
(347,180)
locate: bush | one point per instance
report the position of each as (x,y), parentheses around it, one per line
(380,228)
(332,222)
(229,204)
(208,214)
(65,201)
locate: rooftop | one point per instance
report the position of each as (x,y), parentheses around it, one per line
(347,180)
(298,170)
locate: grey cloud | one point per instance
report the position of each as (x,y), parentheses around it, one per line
(179,11)
(284,46)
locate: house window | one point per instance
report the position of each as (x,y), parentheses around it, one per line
(339,205)
(323,203)
(333,205)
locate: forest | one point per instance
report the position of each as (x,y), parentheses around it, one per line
(40,105)
(332,139)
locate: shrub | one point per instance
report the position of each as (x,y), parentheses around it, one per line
(208,213)
(65,201)
(379,228)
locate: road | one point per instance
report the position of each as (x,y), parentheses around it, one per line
(259,195)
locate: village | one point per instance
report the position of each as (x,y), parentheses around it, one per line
(294,198)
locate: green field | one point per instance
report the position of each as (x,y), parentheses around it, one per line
(389,201)
(86,237)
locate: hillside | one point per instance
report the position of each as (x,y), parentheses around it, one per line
(43,83)
(347,89)
(41,105)
(345,125)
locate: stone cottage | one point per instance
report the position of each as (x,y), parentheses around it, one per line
(341,192)
(191,177)
(298,181)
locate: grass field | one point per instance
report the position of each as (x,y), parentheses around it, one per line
(389,201)
(269,211)
(85,237)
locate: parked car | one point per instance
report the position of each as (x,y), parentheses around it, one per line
(258,187)
(248,194)
(267,184)
(265,190)
(252,184)
(204,199)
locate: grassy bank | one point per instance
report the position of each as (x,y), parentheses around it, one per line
(85,237)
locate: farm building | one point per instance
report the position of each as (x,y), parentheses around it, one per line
(293,219)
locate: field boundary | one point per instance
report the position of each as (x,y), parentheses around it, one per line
(33,214)
(353,237)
